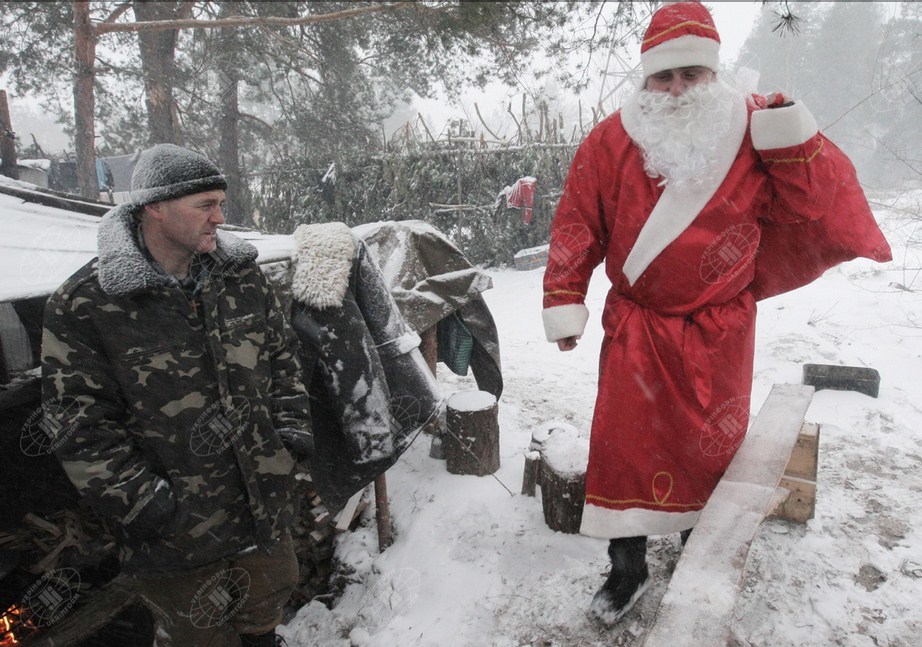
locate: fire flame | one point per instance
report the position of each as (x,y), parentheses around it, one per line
(15,626)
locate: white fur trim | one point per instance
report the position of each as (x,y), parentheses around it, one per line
(568,320)
(683,51)
(678,207)
(782,127)
(323,263)
(610,524)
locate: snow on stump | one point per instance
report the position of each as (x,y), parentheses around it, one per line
(471,441)
(556,461)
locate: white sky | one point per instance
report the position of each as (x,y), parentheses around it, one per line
(734,21)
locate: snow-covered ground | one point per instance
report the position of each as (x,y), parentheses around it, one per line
(473,562)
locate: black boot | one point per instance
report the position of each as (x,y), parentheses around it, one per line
(628,579)
(262,640)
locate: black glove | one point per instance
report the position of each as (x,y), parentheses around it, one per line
(157,512)
(299,443)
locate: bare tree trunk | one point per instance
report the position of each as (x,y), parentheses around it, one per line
(158,53)
(7,140)
(85,101)
(236,209)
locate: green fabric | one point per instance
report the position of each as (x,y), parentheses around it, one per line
(456,344)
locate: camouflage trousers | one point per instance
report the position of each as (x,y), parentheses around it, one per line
(212,605)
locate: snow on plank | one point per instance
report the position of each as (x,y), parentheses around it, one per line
(702,593)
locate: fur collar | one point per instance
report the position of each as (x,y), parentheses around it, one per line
(324,254)
(123,268)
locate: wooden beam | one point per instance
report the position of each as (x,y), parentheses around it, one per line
(805,455)
(796,499)
(699,601)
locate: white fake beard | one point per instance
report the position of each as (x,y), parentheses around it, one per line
(680,136)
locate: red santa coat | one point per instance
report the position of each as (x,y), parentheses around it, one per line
(686,267)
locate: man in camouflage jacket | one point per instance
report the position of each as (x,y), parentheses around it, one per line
(183,377)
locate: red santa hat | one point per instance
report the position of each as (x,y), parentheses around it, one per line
(681,34)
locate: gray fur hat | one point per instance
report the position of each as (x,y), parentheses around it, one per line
(167,172)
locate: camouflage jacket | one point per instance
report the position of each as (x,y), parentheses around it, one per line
(174,399)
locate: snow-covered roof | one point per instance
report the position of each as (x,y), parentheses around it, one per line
(40,164)
(41,246)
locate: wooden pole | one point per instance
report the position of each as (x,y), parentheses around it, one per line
(7,140)
(382,513)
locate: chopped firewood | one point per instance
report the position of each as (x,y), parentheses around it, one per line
(51,559)
(345,516)
(38,522)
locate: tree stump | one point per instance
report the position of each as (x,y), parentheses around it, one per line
(561,473)
(471,441)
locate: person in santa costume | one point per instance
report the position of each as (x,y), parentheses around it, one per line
(700,201)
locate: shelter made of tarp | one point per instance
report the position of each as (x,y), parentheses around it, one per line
(46,236)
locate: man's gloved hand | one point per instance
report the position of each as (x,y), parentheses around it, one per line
(155,514)
(299,443)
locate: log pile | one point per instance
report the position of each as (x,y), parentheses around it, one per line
(314,533)
(66,538)
(70,539)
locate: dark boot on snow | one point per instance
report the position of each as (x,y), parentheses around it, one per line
(628,579)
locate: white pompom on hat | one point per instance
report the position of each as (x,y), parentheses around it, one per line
(681,34)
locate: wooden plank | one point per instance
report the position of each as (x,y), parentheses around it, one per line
(702,593)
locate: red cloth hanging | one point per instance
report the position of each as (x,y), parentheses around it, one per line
(522,196)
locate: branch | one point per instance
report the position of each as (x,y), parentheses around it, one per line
(479,116)
(245,21)
(118,11)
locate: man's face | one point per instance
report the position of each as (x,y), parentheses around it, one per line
(678,79)
(189,224)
